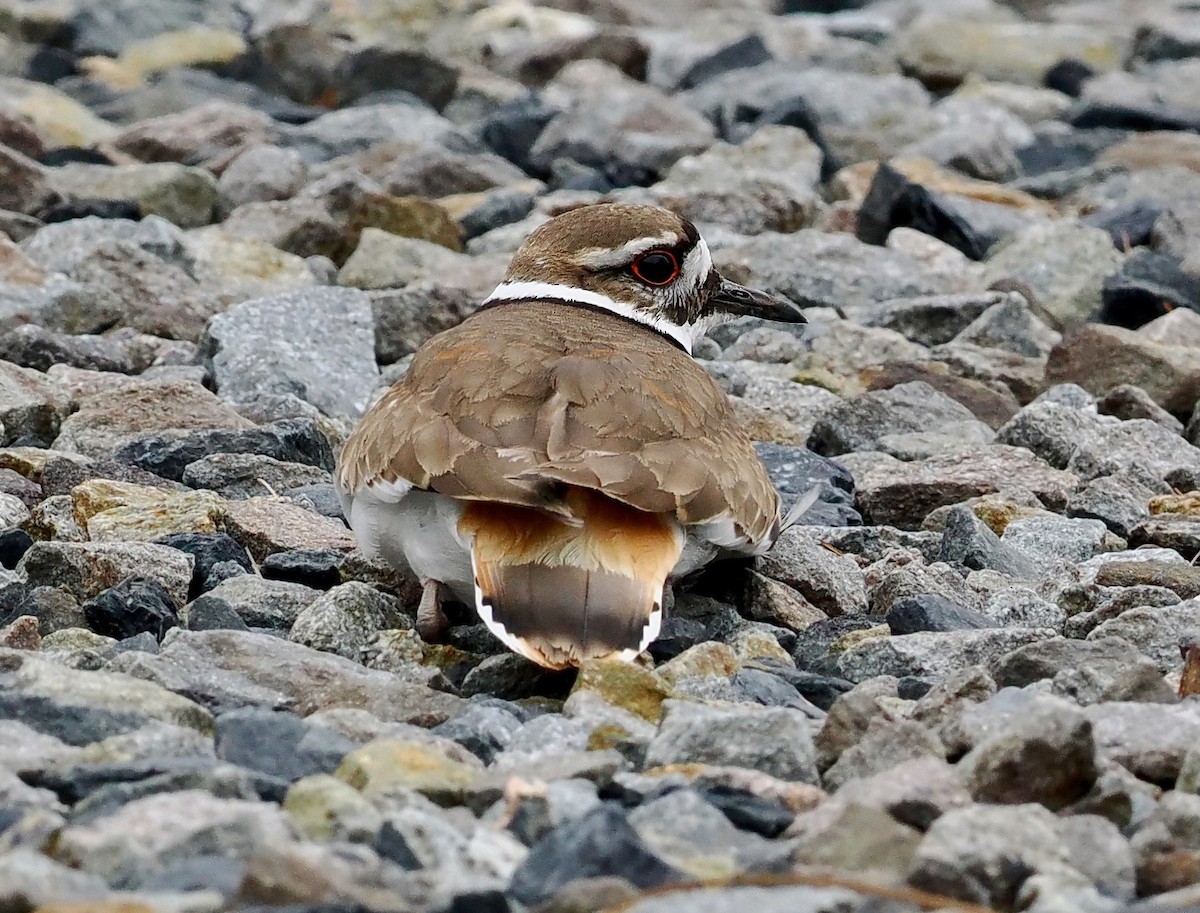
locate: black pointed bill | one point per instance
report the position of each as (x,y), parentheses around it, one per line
(747,302)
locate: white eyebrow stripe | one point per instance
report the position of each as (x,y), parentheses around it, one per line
(696,267)
(604,258)
(568,294)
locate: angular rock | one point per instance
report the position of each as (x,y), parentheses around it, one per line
(1140,446)
(928,612)
(273,604)
(903,494)
(344,620)
(816,269)
(86,569)
(239,476)
(932,653)
(329,359)
(184,196)
(1155,630)
(858,423)
(133,606)
(606,845)
(293,440)
(105,422)
(31,408)
(984,853)
(767,183)
(1099,358)
(81,707)
(969,543)
(1148,740)
(1046,755)
(773,740)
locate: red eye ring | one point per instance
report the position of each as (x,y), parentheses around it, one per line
(656,267)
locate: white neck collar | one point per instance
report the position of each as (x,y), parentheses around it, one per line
(550,291)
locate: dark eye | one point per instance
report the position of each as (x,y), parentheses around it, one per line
(658,267)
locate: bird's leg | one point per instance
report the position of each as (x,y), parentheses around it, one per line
(431,620)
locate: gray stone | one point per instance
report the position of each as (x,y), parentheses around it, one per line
(1099,357)
(968,542)
(129,286)
(1063,263)
(406,317)
(1087,672)
(1120,501)
(914,579)
(85,569)
(944,703)
(238,476)
(860,116)
(229,669)
(60,246)
(931,653)
(274,604)
(985,852)
(1021,607)
(1093,605)
(31,880)
(831,582)
(773,740)
(883,747)
(357,128)
(318,344)
(1046,755)
(302,227)
(1050,542)
(904,494)
(1052,430)
(26,184)
(928,319)
(767,183)
(858,423)
(261,174)
(147,834)
(1155,630)
(763,900)
(687,832)
(383,260)
(1127,402)
(915,792)
(820,269)
(872,703)
(1011,325)
(346,619)
(31,407)
(1149,740)
(1142,446)
(80,706)
(184,196)
(638,128)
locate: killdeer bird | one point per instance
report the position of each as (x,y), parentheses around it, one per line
(558,457)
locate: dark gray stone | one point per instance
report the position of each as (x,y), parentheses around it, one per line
(968,542)
(602,843)
(134,606)
(928,612)
(296,440)
(279,744)
(859,423)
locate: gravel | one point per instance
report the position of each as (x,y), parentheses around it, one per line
(224,227)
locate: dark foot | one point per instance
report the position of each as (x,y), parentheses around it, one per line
(432,623)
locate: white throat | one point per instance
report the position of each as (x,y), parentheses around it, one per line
(685,335)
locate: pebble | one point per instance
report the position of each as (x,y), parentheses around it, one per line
(226,227)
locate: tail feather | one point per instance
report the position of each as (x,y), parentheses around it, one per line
(560,594)
(559,615)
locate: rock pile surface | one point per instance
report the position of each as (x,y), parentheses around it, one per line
(224,226)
